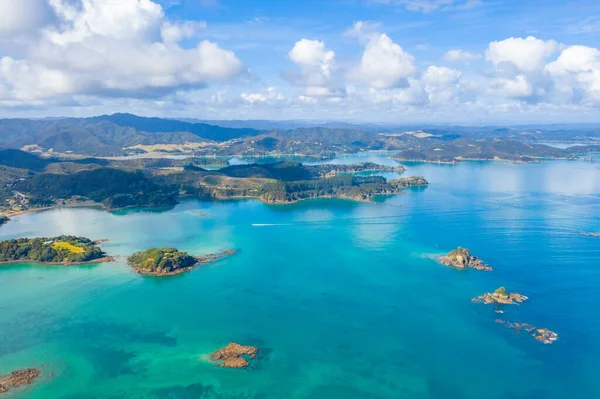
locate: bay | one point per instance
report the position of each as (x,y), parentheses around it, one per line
(344,299)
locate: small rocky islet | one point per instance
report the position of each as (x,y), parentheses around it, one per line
(501,297)
(18,378)
(234,356)
(161,262)
(461,258)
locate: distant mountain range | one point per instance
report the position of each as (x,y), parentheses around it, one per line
(124,134)
(108,135)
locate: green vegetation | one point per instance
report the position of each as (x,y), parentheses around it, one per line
(161,261)
(114,187)
(460,251)
(63,249)
(501,291)
(352,187)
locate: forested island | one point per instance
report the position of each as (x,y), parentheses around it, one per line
(63,250)
(169,261)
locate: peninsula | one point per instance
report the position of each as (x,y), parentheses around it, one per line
(63,250)
(18,378)
(234,355)
(35,183)
(162,262)
(501,297)
(461,258)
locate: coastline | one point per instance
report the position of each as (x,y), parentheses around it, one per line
(105,259)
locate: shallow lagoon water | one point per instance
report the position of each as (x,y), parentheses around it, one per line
(345,299)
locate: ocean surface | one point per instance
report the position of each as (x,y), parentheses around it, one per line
(345,300)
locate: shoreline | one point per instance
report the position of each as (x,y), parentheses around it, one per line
(105,259)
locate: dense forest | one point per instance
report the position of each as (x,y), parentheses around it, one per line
(117,187)
(63,249)
(161,261)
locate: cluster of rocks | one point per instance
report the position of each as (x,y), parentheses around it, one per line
(501,297)
(234,356)
(541,334)
(461,258)
(216,256)
(17,379)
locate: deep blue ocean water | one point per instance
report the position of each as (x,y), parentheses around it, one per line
(344,299)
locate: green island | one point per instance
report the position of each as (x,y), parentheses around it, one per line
(161,262)
(501,297)
(63,250)
(461,258)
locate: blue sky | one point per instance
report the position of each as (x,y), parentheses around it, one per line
(465,61)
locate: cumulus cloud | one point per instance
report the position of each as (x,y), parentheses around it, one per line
(526,54)
(316,64)
(311,54)
(458,55)
(577,73)
(19,16)
(384,64)
(115,48)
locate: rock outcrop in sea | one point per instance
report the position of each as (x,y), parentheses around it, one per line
(17,379)
(461,258)
(540,334)
(501,297)
(234,355)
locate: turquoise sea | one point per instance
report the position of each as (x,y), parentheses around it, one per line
(344,299)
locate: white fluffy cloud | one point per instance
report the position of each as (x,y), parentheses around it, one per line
(312,54)
(385,64)
(18,16)
(526,54)
(577,73)
(116,48)
(458,55)
(316,64)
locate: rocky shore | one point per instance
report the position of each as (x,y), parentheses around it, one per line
(461,258)
(105,259)
(234,355)
(17,379)
(540,334)
(501,297)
